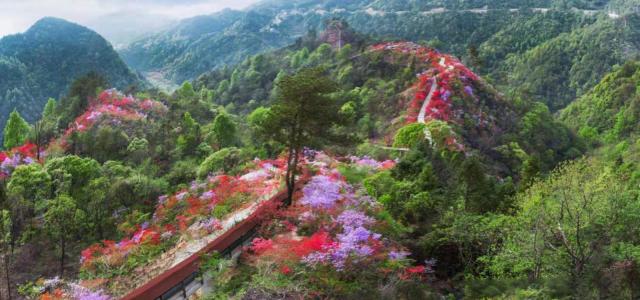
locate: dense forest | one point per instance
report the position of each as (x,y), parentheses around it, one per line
(198,44)
(421,150)
(42,62)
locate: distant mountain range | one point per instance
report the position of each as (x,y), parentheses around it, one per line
(493,28)
(43,62)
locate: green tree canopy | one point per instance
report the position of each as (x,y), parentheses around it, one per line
(16,130)
(303,115)
(224,130)
(49,108)
(61,222)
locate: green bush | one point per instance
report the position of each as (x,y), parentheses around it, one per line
(223,160)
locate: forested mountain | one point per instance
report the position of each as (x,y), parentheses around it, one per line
(42,62)
(481,148)
(502,39)
(428,149)
(565,67)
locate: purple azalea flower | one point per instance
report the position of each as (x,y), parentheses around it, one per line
(208,195)
(315,258)
(354,235)
(82,293)
(162,199)
(398,255)
(353,218)
(364,251)
(195,186)
(446,95)
(321,192)
(469,90)
(366,161)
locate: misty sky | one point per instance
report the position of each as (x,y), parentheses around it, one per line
(17,15)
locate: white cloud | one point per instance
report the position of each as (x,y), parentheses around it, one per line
(17,15)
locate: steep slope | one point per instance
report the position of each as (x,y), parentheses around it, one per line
(565,67)
(448,91)
(383,96)
(199,44)
(609,113)
(43,61)
(202,43)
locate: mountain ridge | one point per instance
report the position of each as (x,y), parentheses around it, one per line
(43,61)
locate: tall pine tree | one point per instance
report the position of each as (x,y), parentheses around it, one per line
(302,116)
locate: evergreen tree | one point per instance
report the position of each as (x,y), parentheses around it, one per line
(77,101)
(49,108)
(190,137)
(224,130)
(16,130)
(303,116)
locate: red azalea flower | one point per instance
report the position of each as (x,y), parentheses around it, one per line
(182,222)
(285,270)
(319,241)
(259,246)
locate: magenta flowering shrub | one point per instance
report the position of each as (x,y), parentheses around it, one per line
(113,108)
(22,155)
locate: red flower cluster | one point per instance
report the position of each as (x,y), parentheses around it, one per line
(260,245)
(115,107)
(319,241)
(9,160)
(434,84)
(27,150)
(190,211)
(143,236)
(417,272)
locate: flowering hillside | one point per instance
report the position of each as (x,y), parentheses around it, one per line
(332,238)
(436,84)
(182,223)
(448,97)
(113,108)
(22,155)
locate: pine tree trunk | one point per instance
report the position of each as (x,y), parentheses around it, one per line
(290,178)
